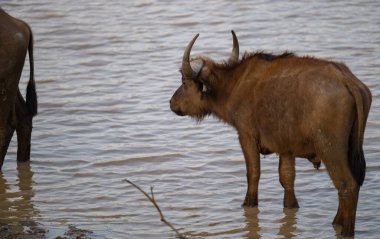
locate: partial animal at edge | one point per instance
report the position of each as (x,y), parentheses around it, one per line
(16,114)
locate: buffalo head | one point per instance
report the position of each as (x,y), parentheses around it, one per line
(198,78)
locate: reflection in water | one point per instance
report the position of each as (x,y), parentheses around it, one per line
(252,219)
(287,228)
(288,223)
(16,208)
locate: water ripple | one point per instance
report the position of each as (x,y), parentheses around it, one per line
(105,73)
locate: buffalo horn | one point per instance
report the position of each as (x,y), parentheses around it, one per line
(235,50)
(186,67)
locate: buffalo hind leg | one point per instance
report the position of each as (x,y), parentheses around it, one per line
(23,139)
(336,163)
(346,214)
(5,139)
(287,174)
(23,129)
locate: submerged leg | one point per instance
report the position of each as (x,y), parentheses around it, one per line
(5,139)
(348,199)
(252,161)
(287,174)
(23,139)
(348,191)
(23,129)
(3,145)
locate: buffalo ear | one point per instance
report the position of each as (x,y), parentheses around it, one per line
(197,66)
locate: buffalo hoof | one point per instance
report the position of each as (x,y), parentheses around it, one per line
(290,200)
(291,205)
(347,229)
(347,232)
(250,202)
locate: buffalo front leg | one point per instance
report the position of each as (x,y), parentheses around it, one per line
(252,161)
(287,174)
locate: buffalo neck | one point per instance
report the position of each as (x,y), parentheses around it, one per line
(223,88)
(225,103)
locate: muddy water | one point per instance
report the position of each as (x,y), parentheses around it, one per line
(105,72)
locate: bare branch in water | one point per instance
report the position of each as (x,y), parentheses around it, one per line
(153,201)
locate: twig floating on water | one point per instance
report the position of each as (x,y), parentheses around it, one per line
(153,201)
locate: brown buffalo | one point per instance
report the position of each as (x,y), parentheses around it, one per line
(15,113)
(293,106)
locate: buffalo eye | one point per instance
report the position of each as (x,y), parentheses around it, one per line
(199,85)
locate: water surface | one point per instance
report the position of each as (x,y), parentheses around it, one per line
(105,71)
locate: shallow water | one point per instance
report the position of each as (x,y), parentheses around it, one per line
(105,72)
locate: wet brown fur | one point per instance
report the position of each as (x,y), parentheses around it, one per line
(293,106)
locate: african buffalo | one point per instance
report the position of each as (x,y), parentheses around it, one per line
(15,113)
(293,106)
